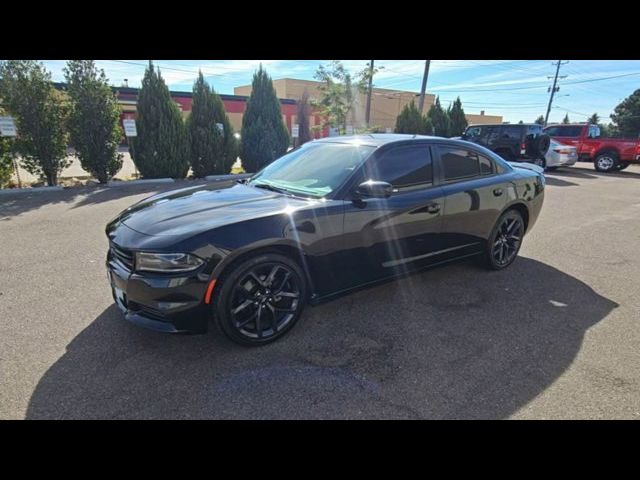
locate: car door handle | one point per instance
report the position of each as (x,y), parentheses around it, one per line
(433,208)
(497,192)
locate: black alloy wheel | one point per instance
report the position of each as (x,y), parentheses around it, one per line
(260,299)
(505,241)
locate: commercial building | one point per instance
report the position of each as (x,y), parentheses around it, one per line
(386,105)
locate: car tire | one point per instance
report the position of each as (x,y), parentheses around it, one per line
(541,162)
(605,162)
(259,299)
(552,168)
(505,240)
(541,145)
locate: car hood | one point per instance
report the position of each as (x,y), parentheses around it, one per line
(197,209)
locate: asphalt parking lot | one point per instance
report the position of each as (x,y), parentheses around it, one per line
(555,336)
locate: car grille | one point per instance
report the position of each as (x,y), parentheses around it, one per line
(125,257)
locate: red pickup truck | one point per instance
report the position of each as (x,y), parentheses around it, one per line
(607,154)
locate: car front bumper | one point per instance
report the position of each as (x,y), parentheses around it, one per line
(165,303)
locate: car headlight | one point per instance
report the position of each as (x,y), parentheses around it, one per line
(167,262)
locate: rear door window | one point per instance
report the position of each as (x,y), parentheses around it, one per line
(458,163)
(511,132)
(402,166)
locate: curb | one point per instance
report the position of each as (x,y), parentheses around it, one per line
(231,176)
(9,191)
(147,181)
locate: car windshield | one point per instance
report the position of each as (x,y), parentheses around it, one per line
(315,169)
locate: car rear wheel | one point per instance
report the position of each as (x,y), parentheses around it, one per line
(504,243)
(605,162)
(260,299)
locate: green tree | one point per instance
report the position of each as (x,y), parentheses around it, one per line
(439,119)
(161,148)
(264,134)
(609,130)
(457,119)
(566,120)
(626,116)
(336,94)
(540,120)
(594,119)
(304,111)
(230,147)
(411,121)
(207,140)
(6,162)
(40,112)
(94,117)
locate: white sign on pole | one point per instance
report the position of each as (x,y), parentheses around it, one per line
(8,127)
(349,130)
(295,130)
(130,128)
(220,127)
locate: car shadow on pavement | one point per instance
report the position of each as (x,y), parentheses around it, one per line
(454,342)
(580,172)
(15,205)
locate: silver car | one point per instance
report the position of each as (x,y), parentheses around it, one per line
(559,155)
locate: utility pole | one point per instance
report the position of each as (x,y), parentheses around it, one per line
(554,89)
(367,114)
(424,85)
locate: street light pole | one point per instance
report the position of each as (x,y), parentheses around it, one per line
(367,115)
(424,85)
(553,91)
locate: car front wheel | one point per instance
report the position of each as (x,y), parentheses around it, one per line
(260,299)
(505,240)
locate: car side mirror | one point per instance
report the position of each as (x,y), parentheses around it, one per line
(374,189)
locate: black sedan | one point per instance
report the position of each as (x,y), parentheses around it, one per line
(328,217)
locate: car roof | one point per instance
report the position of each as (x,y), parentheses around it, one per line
(376,139)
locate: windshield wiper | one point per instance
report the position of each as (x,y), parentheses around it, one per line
(268,186)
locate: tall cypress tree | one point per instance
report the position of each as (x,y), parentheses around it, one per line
(206,139)
(229,142)
(94,119)
(304,110)
(264,134)
(457,119)
(161,148)
(411,121)
(439,119)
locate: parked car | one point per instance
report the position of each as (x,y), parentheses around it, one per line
(560,155)
(607,154)
(522,142)
(324,219)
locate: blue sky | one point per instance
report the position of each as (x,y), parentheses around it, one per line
(515,89)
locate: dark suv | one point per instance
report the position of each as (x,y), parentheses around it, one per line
(523,142)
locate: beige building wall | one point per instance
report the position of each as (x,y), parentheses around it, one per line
(474,119)
(386,104)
